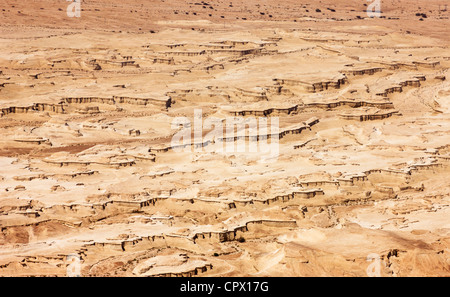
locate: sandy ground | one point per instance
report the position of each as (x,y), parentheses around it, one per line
(357,185)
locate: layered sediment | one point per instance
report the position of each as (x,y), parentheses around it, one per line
(179,140)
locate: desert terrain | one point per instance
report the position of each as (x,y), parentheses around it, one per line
(91,180)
